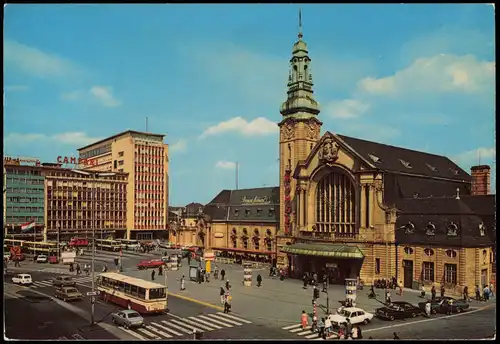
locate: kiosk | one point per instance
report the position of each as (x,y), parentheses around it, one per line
(350,290)
(174,263)
(247,274)
(193,271)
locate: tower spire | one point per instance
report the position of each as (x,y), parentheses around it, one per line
(300,24)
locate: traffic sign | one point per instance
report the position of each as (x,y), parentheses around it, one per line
(93,293)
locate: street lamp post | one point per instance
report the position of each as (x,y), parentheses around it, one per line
(93,203)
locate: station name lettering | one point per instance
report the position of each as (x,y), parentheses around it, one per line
(255,200)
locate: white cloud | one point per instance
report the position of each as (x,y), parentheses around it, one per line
(347,108)
(257,127)
(441,73)
(474,157)
(105,96)
(226,165)
(72,95)
(16,88)
(178,147)
(70,138)
(36,62)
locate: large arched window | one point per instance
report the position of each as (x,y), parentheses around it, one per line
(335,204)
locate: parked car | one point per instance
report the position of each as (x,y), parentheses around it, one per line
(398,310)
(68,294)
(64,281)
(437,305)
(354,314)
(53,260)
(148,264)
(23,279)
(42,258)
(127,318)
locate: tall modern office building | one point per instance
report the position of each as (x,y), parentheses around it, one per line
(144,157)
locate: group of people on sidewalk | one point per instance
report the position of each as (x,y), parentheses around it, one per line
(324,327)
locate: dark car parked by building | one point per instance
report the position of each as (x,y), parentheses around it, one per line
(398,310)
(440,305)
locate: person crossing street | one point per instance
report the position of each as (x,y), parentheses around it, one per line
(259,280)
(183,283)
(153,275)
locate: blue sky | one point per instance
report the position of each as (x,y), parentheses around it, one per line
(212,78)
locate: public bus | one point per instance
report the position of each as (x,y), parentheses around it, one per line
(13,242)
(107,244)
(129,244)
(40,247)
(133,293)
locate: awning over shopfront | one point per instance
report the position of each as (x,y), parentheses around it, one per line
(324,250)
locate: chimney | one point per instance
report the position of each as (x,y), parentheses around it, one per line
(480,180)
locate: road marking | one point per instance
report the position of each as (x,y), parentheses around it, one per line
(204,322)
(132,333)
(205,327)
(152,335)
(167,329)
(151,328)
(300,329)
(224,319)
(311,336)
(215,321)
(235,318)
(291,326)
(427,320)
(196,301)
(304,333)
(180,328)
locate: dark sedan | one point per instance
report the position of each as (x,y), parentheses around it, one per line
(398,310)
(440,304)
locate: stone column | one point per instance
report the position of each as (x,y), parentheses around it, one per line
(371,189)
(362,202)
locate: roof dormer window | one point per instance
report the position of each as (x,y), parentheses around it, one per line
(375,158)
(455,172)
(247,212)
(406,164)
(236,212)
(432,168)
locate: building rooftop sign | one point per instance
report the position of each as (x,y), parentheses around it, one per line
(25,161)
(255,200)
(76,161)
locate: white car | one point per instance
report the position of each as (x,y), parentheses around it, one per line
(22,279)
(42,259)
(355,316)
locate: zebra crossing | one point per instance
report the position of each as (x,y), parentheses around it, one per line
(49,283)
(75,336)
(306,333)
(178,327)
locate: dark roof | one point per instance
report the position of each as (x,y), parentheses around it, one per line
(397,186)
(442,212)
(246,205)
(424,164)
(121,134)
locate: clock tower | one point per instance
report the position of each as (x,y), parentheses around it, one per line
(299,131)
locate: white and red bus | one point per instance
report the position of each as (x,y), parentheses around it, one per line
(132,293)
(79,242)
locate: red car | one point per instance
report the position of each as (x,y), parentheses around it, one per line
(79,242)
(150,264)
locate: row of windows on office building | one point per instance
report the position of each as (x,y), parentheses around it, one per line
(80,195)
(116,187)
(24,219)
(24,180)
(21,199)
(80,224)
(23,172)
(15,209)
(25,190)
(82,205)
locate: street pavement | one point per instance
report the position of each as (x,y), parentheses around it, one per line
(179,323)
(271,311)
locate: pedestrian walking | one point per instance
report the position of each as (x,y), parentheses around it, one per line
(341,333)
(222,274)
(160,271)
(433,293)
(315,279)
(304,280)
(466,294)
(422,291)
(348,327)
(388,296)
(442,290)
(183,283)
(216,272)
(17,263)
(227,303)
(207,277)
(303,320)
(396,336)
(401,288)
(360,334)
(259,280)
(328,327)
(491,290)
(153,275)
(478,293)
(222,293)
(314,325)
(78,271)
(321,328)
(428,309)
(486,293)
(189,259)
(228,286)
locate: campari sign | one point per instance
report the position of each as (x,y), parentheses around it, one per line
(76,161)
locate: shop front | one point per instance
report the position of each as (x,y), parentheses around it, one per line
(336,261)
(240,255)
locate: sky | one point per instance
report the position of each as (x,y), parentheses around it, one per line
(212,79)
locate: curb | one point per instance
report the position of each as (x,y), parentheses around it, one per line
(203,303)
